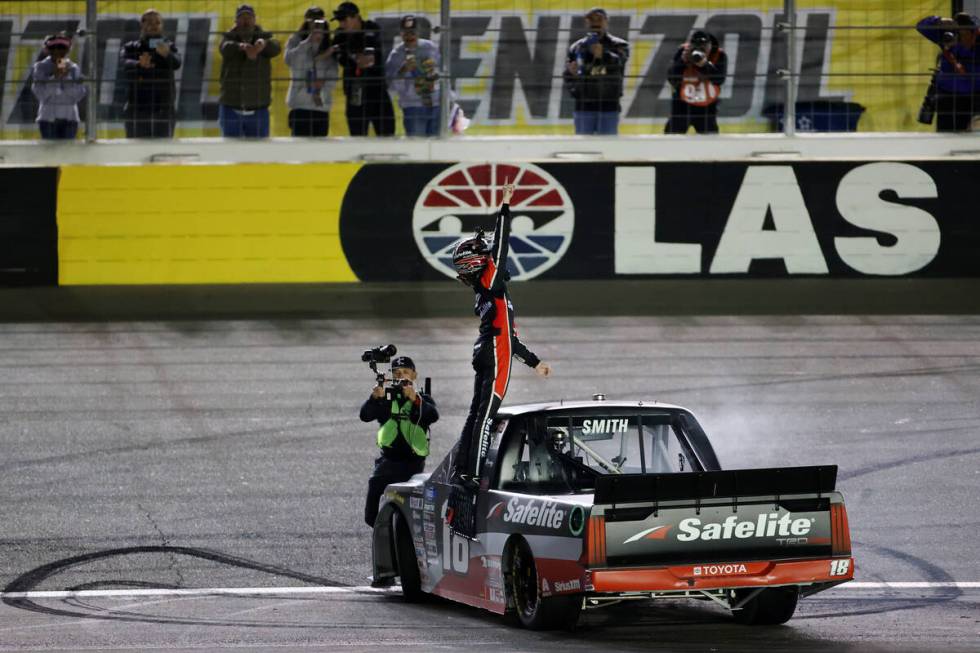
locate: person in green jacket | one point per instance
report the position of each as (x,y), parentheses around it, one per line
(404,434)
(246,77)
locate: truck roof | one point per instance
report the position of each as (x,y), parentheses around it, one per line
(562,404)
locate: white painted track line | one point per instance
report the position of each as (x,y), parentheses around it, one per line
(198,591)
(858,585)
(364,589)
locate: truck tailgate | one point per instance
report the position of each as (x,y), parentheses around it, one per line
(725,524)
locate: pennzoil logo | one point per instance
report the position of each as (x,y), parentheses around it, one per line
(466,196)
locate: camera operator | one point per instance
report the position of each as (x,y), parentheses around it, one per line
(697,72)
(413,68)
(957,81)
(594,76)
(405,416)
(149,64)
(57,85)
(313,75)
(246,52)
(360,53)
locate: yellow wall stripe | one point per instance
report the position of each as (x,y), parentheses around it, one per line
(160,224)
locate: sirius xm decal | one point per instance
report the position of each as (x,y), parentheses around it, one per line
(466,196)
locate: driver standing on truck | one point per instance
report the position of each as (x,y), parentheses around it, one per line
(405,417)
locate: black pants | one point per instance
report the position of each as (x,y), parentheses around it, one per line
(58,129)
(375,109)
(304,122)
(684,115)
(386,472)
(150,125)
(954,112)
(489,387)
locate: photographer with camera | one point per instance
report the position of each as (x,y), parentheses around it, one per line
(313,75)
(696,75)
(413,68)
(954,93)
(360,52)
(594,73)
(57,85)
(246,77)
(149,64)
(405,415)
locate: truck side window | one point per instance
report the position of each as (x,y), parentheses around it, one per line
(512,459)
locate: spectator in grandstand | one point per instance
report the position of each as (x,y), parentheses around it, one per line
(313,75)
(957,82)
(246,77)
(413,68)
(57,85)
(696,75)
(359,51)
(594,76)
(148,66)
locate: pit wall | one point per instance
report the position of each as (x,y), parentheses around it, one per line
(335,222)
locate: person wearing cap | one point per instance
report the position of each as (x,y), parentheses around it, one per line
(246,77)
(594,71)
(696,75)
(57,85)
(313,76)
(413,71)
(403,438)
(149,64)
(359,50)
(958,78)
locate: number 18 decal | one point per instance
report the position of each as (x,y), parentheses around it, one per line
(455,551)
(839,567)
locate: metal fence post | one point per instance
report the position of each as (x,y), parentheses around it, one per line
(91,44)
(789,107)
(445,73)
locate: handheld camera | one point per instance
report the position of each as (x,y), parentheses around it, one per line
(393,387)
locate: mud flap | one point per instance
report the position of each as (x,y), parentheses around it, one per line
(461,512)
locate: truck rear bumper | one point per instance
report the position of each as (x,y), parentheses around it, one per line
(722,575)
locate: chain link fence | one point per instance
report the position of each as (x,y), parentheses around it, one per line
(202,68)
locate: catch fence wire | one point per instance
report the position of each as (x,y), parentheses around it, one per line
(793,65)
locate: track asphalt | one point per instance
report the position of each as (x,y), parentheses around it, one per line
(142,457)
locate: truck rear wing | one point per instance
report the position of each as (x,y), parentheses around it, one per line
(773,481)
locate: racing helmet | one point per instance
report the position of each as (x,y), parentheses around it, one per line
(471,255)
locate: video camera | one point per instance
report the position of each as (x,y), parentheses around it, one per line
(393,387)
(699,45)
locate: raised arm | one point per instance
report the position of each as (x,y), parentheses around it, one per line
(494,274)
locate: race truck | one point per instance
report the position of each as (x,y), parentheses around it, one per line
(589,503)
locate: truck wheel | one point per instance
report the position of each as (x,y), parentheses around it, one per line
(531,609)
(408,566)
(769,607)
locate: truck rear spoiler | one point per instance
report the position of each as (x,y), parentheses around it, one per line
(774,481)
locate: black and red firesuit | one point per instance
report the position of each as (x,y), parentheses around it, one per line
(492,352)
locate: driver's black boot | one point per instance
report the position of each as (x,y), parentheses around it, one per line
(462,507)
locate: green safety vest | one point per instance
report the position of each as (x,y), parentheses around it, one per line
(400,422)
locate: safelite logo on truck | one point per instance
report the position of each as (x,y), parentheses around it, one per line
(772,524)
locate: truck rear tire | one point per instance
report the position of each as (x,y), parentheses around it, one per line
(771,606)
(532,610)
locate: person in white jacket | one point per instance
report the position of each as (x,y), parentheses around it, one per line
(57,85)
(313,75)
